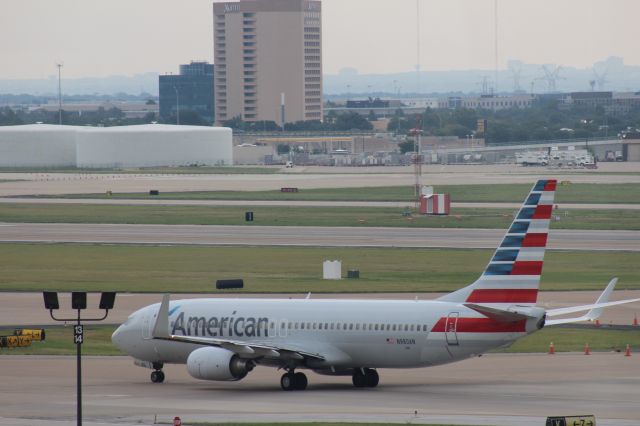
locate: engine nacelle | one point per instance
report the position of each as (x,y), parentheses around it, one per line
(211,363)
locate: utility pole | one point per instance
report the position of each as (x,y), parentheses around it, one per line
(418,44)
(495,40)
(59,65)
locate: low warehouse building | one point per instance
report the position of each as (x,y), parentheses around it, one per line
(147,145)
(151,145)
(38,145)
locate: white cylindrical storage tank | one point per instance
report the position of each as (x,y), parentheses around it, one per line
(151,145)
(38,145)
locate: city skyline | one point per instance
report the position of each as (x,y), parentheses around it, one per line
(95,39)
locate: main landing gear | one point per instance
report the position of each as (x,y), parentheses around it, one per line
(365,378)
(157,376)
(293,381)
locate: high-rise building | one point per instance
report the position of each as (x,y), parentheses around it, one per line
(191,90)
(268,56)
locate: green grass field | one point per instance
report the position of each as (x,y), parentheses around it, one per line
(574,339)
(305,216)
(59,341)
(129,268)
(573,193)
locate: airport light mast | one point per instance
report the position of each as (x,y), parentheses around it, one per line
(79,303)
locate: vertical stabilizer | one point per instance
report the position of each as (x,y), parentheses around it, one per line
(513,275)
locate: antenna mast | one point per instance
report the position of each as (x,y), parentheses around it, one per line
(495,39)
(418,44)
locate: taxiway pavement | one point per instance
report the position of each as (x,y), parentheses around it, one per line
(303,236)
(495,389)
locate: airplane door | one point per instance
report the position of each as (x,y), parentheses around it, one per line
(146,325)
(450,329)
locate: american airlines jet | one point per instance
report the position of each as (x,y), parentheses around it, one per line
(224,339)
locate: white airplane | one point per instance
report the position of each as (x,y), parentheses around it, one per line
(224,339)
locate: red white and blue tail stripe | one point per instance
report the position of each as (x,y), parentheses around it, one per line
(513,274)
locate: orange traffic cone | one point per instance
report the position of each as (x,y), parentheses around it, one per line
(635,320)
(597,323)
(587,350)
(627,352)
(552,350)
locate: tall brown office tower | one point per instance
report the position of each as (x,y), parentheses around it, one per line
(268,58)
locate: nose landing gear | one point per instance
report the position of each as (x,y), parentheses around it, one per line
(157,376)
(293,381)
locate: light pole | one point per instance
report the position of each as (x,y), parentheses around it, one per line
(78,302)
(177,106)
(59,65)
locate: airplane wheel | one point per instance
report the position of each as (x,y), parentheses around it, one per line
(157,376)
(371,378)
(359,379)
(287,381)
(300,381)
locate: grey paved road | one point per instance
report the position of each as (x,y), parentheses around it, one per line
(304,236)
(492,390)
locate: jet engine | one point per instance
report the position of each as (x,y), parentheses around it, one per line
(212,363)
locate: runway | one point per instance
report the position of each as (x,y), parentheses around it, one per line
(389,204)
(306,177)
(303,236)
(492,390)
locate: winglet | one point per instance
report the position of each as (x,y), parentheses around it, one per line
(161,327)
(595,313)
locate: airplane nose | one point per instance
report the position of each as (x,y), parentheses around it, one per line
(116,337)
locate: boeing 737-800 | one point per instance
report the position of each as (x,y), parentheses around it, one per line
(224,339)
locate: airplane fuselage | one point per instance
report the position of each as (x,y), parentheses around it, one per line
(347,333)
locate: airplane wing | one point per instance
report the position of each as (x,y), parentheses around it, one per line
(595,310)
(252,349)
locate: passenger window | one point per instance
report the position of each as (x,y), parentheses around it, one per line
(406,327)
(302,326)
(326,325)
(411,327)
(314,325)
(357,326)
(350,326)
(332,326)
(388,327)
(308,326)
(424,327)
(394,327)
(338,326)
(376,328)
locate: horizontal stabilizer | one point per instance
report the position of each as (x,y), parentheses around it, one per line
(498,314)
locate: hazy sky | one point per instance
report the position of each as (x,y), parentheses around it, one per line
(107,37)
